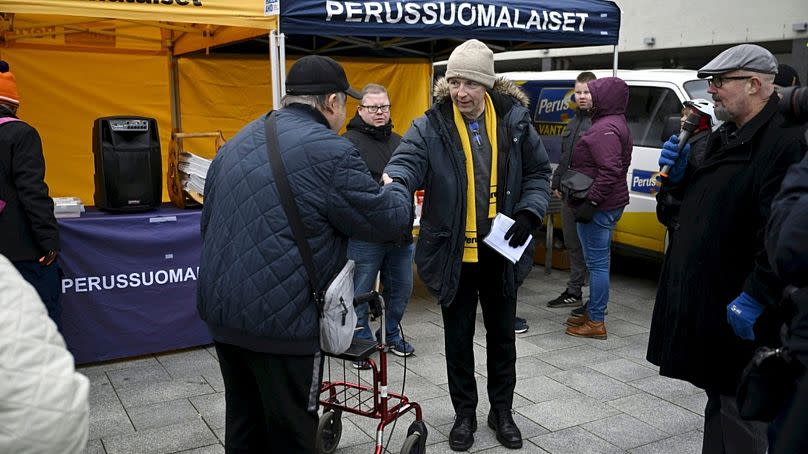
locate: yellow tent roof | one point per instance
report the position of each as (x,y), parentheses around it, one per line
(140,26)
(237,13)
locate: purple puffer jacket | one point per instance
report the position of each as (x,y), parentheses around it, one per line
(604,151)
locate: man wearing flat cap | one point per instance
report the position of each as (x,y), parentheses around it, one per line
(716,280)
(253,290)
(476,154)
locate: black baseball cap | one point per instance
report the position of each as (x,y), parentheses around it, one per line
(318,75)
(786,76)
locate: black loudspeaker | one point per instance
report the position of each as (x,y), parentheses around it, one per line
(128,165)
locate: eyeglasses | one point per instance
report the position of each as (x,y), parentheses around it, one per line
(373,109)
(718,82)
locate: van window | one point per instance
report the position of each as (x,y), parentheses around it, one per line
(697,89)
(648,109)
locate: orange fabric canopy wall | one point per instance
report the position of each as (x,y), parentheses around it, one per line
(63,92)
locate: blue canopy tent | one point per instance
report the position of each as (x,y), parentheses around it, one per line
(431,29)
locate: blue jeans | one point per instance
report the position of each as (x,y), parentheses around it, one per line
(596,239)
(395,264)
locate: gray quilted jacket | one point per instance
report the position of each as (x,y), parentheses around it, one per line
(253,289)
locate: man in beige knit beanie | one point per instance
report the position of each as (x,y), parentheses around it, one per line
(454,151)
(474,61)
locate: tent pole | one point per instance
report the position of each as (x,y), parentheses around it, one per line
(282,64)
(174,91)
(273,65)
(614,65)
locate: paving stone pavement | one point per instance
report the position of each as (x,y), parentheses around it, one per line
(572,395)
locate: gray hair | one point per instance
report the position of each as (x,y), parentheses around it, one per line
(767,85)
(315,101)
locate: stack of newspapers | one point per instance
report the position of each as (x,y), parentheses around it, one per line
(193,170)
(67,207)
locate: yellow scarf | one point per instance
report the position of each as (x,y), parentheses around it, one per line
(470,249)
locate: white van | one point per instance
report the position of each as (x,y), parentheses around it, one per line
(654,108)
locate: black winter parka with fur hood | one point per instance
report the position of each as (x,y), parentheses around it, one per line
(431,157)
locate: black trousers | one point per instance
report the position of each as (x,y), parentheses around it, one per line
(725,432)
(271,400)
(47,280)
(481,280)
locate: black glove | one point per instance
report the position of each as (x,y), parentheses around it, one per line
(48,258)
(584,212)
(524,224)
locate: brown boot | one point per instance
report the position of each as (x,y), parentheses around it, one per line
(577,321)
(595,330)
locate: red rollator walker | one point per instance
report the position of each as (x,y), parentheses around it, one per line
(371,399)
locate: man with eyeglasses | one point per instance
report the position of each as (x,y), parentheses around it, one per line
(371,131)
(716,280)
(476,153)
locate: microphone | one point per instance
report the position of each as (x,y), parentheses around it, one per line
(691,123)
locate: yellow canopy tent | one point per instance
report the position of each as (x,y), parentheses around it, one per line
(78,60)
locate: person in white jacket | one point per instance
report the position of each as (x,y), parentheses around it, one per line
(43,400)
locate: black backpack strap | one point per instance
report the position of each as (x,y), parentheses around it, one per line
(288,202)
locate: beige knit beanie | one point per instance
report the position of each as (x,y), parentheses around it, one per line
(474,61)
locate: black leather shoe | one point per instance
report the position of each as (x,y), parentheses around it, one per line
(507,432)
(461,437)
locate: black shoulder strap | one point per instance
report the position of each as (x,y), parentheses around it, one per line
(288,200)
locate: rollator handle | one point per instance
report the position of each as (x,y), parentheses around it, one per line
(374,300)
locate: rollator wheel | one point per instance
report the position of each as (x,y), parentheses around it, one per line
(415,443)
(329,431)
(412,445)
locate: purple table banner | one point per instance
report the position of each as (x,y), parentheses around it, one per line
(129,285)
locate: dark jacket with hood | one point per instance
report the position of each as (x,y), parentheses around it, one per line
(787,246)
(375,143)
(787,232)
(431,157)
(717,251)
(28,228)
(253,290)
(604,152)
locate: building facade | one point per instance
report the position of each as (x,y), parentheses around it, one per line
(684,35)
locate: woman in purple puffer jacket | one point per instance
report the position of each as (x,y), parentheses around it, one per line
(603,153)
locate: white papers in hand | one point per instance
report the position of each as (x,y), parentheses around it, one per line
(496,238)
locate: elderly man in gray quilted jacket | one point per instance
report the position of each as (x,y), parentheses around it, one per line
(253,290)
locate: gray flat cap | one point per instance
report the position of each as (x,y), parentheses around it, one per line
(748,57)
